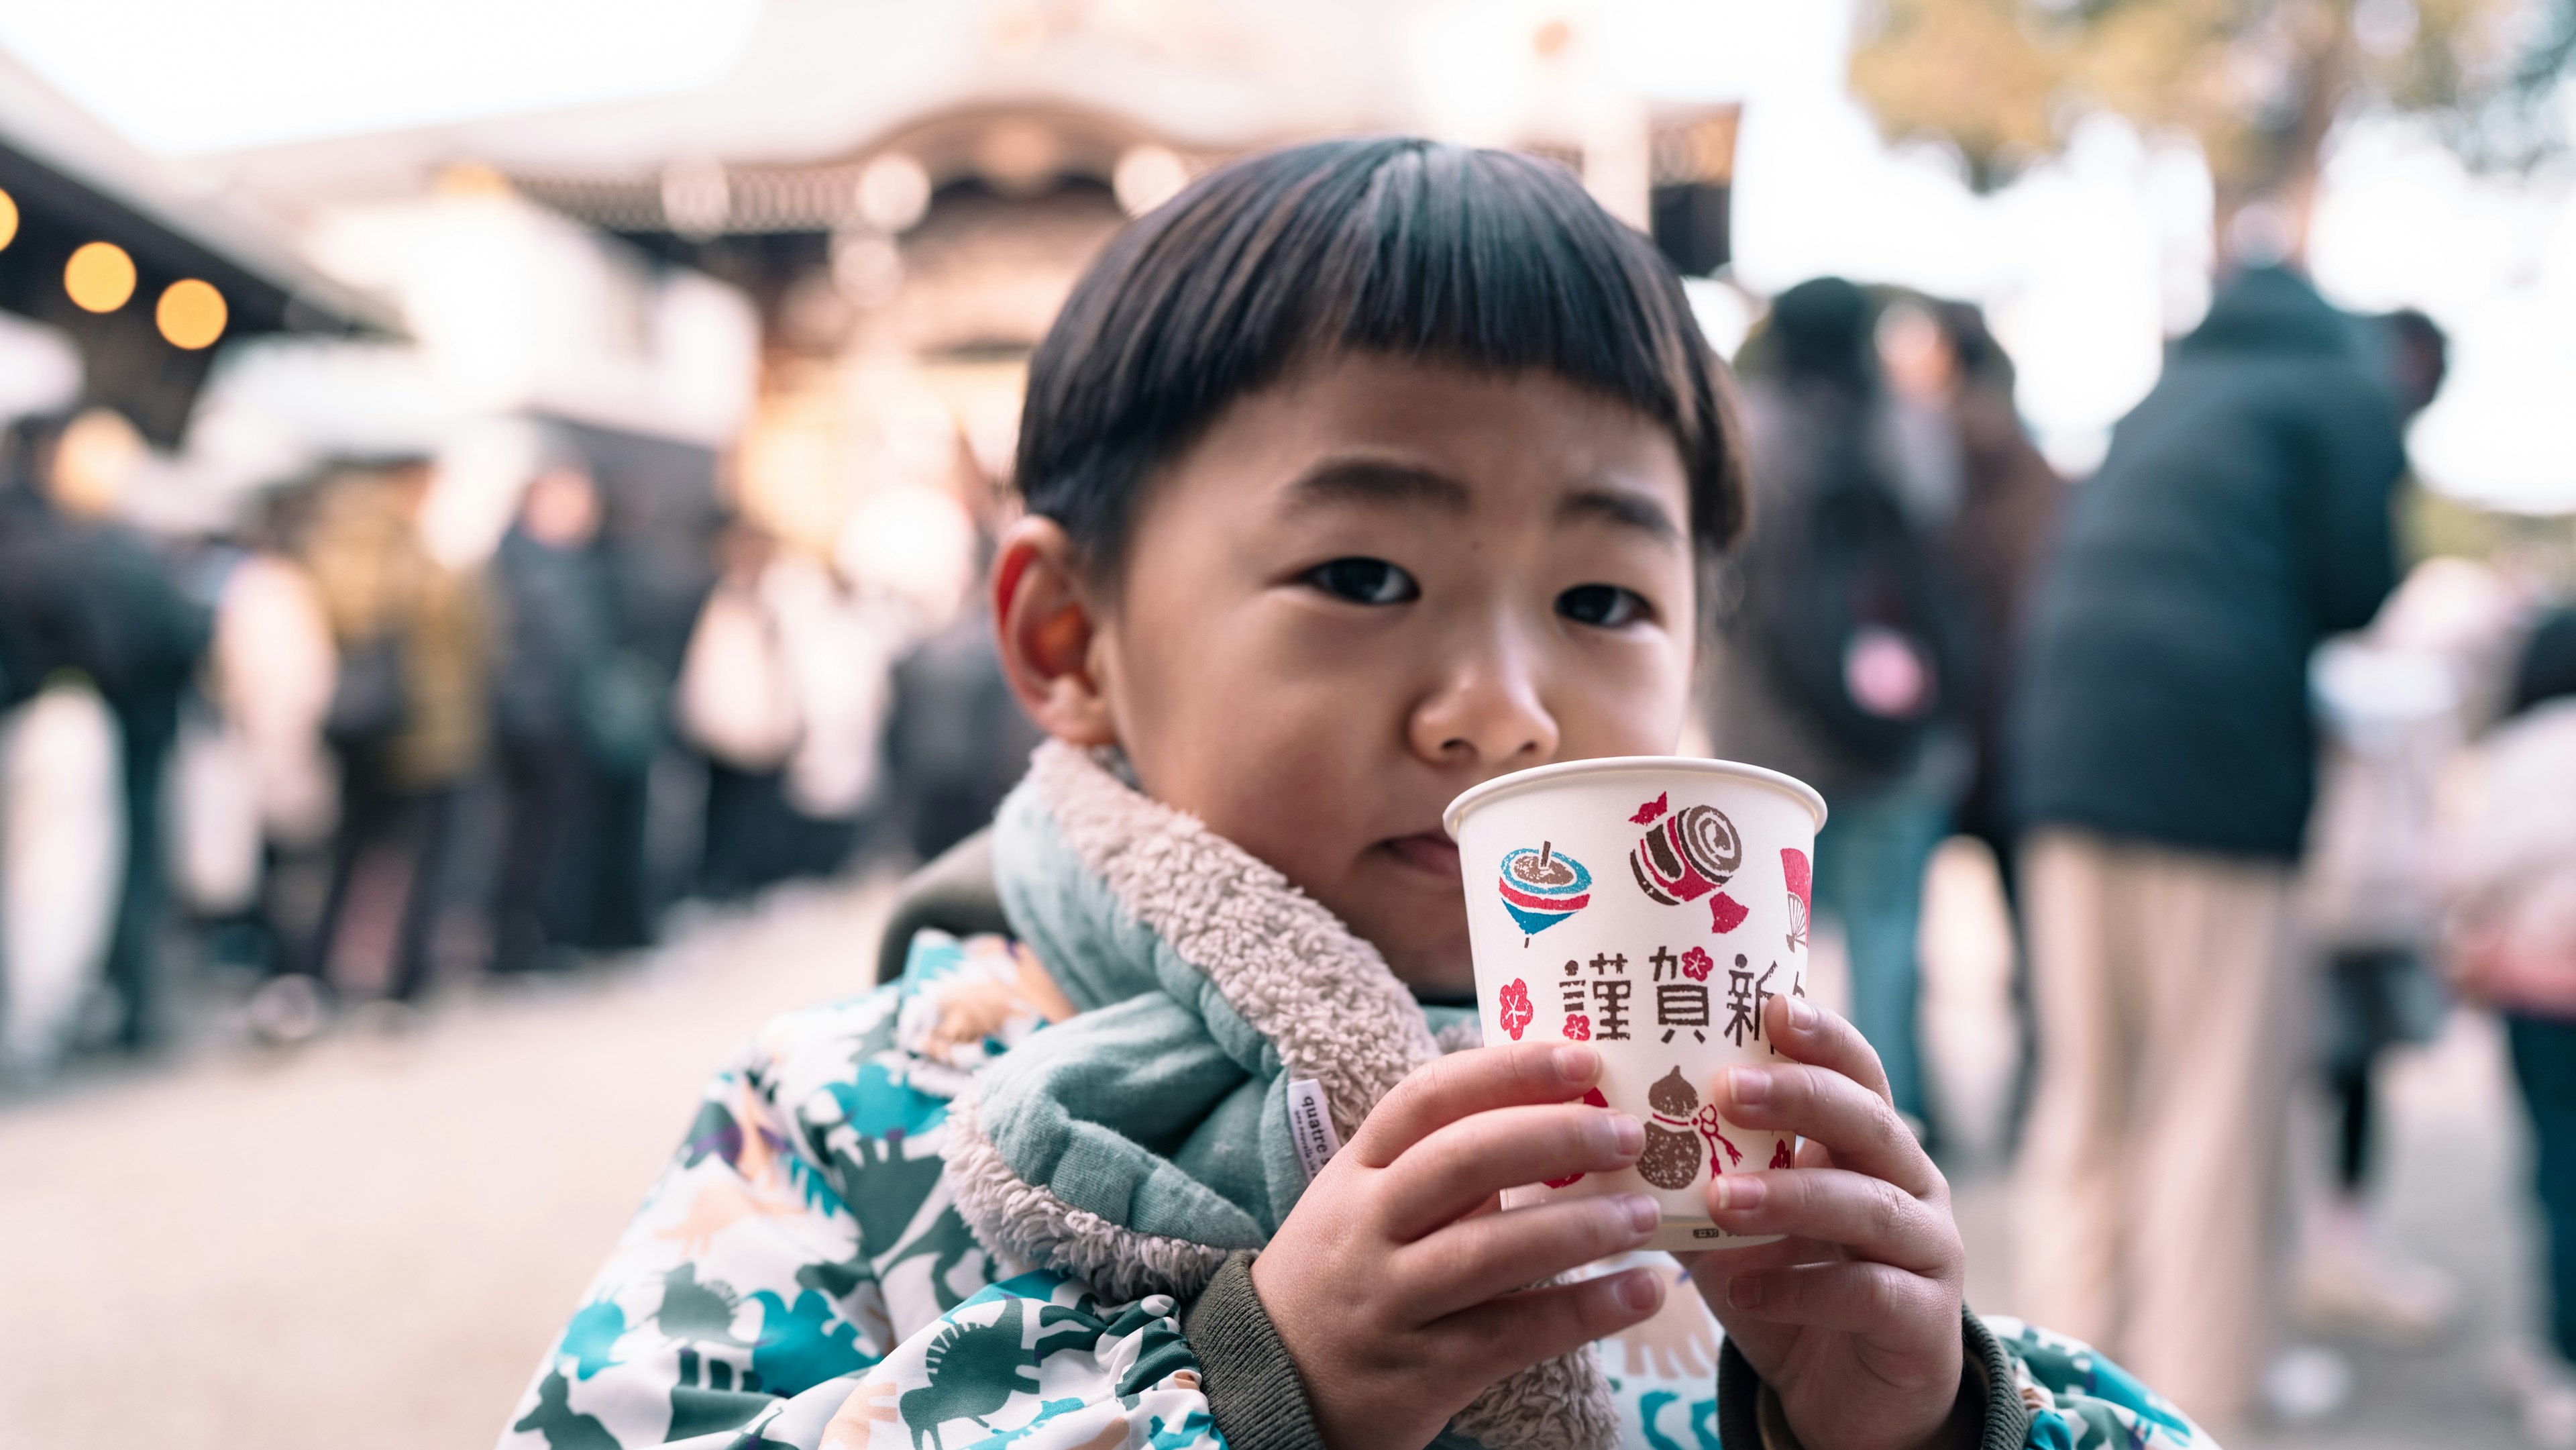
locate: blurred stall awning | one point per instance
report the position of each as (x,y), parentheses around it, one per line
(145,280)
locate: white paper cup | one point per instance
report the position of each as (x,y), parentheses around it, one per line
(1648,905)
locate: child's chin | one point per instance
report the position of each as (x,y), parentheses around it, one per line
(1421,957)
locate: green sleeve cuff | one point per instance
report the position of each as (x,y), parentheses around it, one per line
(1749,1415)
(1253,1390)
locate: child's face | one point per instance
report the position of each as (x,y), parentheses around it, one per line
(1373,585)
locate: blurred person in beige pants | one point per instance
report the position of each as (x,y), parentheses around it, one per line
(2164,766)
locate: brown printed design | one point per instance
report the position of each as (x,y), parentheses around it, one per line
(1674,1131)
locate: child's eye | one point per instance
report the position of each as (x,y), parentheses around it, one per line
(1364,581)
(1604,606)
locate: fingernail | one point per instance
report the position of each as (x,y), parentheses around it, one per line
(1734,1194)
(1802,1014)
(1627,1135)
(1642,1212)
(1747,1085)
(1577,1064)
(1639,1293)
(1744,1291)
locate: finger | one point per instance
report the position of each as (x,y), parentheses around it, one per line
(1857,1126)
(1506,1335)
(1801,1031)
(1868,1299)
(1871,1217)
(1473,1261)
(1444,1176)
(1443,1091)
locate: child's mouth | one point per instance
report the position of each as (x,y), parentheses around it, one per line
(1428,850)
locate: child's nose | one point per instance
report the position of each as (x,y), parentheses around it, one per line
(1489,712)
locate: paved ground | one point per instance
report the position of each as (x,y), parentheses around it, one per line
(368,1242)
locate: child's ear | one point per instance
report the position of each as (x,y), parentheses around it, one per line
(1044,615)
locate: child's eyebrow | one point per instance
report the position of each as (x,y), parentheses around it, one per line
(1375,481)
(1621,507)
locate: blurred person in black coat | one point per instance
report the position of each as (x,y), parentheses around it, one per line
(2163,771)
(556,640)
(1843,663)
(82,593)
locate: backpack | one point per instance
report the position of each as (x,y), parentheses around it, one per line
(1850,608)
(369,701)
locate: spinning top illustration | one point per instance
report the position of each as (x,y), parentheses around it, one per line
(1687,855)
(1671,1159)
(1543,887)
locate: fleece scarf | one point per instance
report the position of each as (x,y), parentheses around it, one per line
(1137,1144)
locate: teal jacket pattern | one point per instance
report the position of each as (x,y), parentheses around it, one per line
(798,1277)
(987,1204)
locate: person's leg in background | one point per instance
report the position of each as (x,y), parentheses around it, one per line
(363,810)
(616,916)
(2215,1061)
(133,953)
(295,1002)
(2350,1276)
(1870,860)
(2072,1192)
(541,788)
(2544,1068)
(428,825)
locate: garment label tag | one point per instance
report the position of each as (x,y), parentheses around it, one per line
(1310,1126)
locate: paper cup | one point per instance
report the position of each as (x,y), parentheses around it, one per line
(1650,906)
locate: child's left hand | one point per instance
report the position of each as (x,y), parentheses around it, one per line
(1853,1319)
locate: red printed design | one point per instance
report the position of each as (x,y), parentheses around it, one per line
(1713,1128)
(1650,810)
(1697,964)
(1578,1027)
(1516,1010)
(1725,913)
(1793,867)
(1780,1154)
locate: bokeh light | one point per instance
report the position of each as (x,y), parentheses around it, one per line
(191,314)
(8,219)
(99,277)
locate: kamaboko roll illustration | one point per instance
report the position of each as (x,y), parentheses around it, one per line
(1542,887)
(1687,855)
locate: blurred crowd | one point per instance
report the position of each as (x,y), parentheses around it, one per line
(2267,795)
(303,766)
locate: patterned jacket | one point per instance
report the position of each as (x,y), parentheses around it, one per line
(800,1276)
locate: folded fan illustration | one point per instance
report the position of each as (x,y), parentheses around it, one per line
(1541,888)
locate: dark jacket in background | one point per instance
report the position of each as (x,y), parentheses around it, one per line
(2241,515)
(559,631)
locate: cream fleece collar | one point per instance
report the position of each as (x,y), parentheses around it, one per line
(1200,970)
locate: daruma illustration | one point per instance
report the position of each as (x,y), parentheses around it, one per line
(1543,887)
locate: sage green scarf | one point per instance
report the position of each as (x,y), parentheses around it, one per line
(1136,1144)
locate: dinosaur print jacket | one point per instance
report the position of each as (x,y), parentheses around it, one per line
(800,1277)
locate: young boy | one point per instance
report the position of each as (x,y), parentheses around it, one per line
(1362,472)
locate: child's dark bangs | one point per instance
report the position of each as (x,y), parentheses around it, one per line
(1492,262)
(1486,260)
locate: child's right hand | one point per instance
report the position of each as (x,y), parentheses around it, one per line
(1399,1290)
